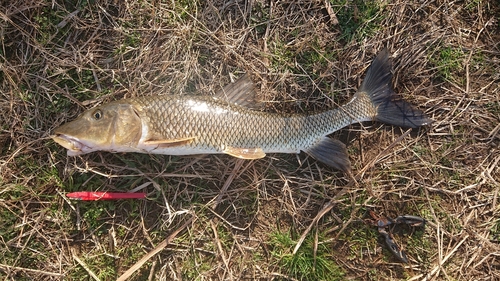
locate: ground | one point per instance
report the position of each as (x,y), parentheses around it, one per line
(284,217)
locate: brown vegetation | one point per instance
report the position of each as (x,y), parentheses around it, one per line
(246,217)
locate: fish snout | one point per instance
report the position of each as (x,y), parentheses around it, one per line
(73,146)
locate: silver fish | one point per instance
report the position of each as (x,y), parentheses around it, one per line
(184,125)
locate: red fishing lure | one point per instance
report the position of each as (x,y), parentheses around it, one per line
(100,195)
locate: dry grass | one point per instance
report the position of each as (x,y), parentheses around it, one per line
(247,216)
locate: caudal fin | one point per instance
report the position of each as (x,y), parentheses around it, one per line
(391,109)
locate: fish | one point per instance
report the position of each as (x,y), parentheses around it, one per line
(229,123)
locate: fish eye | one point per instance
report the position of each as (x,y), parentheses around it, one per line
(97,114)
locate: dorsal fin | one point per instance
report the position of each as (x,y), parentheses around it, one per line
(241,92)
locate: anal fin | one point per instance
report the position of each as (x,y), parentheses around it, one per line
(331,152)
(245,153)
(168,142)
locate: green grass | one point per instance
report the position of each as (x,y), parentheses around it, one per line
(196,266)
(361,237)
(102,265)
(47,21)
(29,251)
(304,265)
(96,220)
(358,19)
(449,60)
(493,107)
(495,230)
(472,5)
(418,245)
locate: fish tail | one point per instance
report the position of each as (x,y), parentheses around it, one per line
(391,109)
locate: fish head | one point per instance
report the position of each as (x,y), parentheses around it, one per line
(112,127)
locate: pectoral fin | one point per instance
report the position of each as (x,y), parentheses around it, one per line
(169,142)
(245,153)
(331,152)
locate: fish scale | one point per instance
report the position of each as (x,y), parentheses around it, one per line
(217,124)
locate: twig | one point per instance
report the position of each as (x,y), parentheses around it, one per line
(333,17)
(440,264)
(381,154)
(155,251)
(90,272)
(16,268)
(219,246)
(328,206)
(445,259)
(227,183)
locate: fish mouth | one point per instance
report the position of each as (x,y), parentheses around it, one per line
(73,145)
